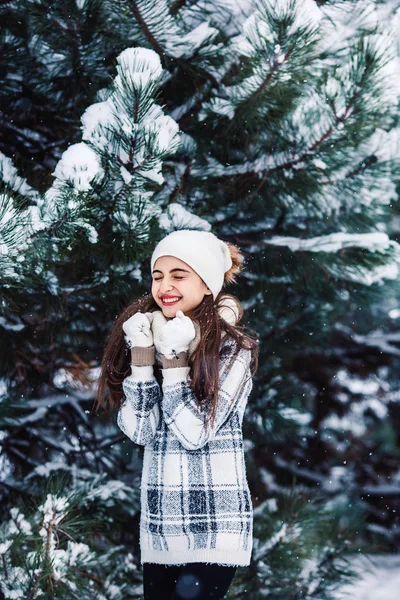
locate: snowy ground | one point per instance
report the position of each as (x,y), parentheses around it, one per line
(379,579)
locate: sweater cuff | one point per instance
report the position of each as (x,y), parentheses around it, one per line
(145,373)
(142,356)
(181,360)
(173,376)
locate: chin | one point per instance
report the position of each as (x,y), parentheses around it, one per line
(169,313)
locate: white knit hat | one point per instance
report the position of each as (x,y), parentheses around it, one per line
(202,251)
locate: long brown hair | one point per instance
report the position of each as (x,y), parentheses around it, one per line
(204,362)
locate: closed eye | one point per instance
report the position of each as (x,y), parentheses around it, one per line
(176,277)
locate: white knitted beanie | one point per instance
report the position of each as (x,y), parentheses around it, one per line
(202,251)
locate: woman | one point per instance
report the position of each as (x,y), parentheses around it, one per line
(182,395)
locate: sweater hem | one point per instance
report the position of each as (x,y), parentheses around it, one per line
(178,558)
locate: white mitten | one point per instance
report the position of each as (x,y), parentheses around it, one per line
(176,335)
(138,331)
(157,328)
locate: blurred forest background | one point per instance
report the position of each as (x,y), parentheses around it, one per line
(274,124)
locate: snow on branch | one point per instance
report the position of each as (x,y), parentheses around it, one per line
(80,166)
(128,128)
(44,551)
(165,34)
(376,242)
(258,29)
(15,224)
(274,33)
(37,538)
(125,139)
(177,216)
(9,175)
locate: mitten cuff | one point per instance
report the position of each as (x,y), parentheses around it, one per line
(142,357)
(181,360)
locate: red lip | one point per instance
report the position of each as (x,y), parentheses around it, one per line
(169,303)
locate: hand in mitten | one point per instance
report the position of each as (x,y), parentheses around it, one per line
(137,330)
(176,335)
(157,325)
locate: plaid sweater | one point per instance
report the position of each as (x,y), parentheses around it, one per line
(195,500)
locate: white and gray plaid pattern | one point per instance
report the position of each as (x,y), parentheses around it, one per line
(196,503)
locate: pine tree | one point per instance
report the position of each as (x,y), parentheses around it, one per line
(126,121)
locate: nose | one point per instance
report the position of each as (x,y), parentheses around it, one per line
(166,286)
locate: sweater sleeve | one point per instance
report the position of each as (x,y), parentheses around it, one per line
(179,406)
(139,414)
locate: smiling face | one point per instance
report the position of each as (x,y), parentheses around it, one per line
(174,278)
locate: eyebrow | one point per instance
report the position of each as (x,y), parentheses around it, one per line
(171,271)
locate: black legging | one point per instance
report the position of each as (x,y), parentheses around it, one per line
(193,581)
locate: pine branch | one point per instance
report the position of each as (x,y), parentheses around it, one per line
(73,33)
(291,164)
(91,576)
(176,6)
(179,189)
(146,29)
(3,560)
(275,66)
(32,592)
